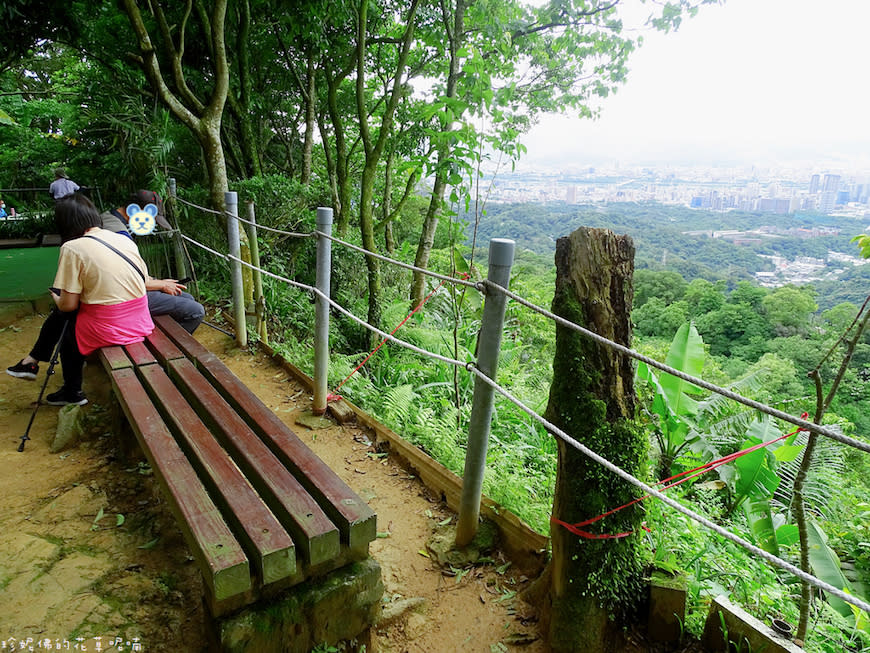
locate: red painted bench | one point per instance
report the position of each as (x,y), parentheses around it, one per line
(258,509)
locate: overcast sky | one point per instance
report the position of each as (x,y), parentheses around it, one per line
(748,82)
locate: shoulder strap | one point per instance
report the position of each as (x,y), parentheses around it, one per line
(119,253)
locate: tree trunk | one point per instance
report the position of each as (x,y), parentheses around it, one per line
(427,236)
(310,99)
(456,37)
(386,203)
(212,148)
(244,114)
(594,584)
(373,146)
(368,241)
(342,177)
(798,508)
(204,121)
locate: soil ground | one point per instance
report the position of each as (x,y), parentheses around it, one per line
(91,556)
(90,550)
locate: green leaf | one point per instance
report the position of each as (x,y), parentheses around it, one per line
(863,244)
(6,119)
(459,262)
(786,453)
(862,621)
(754,478)
(761,524)
(119,520)
(787,534)
(506,596)
(826,566)
(686,354)
(95,524)
(150,544)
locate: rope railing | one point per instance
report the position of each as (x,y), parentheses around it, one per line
(362,250)
(341,309)
(688,512)
(487,286)
(292,234)
(407,266)
(730,394)
(553,429)
(204,209)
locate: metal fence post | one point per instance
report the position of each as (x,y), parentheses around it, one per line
(231,199)
(181,270)
(501,257)
(321,310)
(259,300)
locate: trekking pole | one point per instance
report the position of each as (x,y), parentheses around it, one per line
(51,364)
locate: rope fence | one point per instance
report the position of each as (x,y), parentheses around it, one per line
(751,403)
(487,287)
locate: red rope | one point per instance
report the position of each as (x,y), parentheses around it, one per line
(335,397)
(691,473)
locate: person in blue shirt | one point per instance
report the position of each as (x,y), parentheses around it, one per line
(62,186)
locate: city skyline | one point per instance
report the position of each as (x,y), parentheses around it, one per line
(765,82)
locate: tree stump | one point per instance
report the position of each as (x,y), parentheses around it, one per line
(594,584)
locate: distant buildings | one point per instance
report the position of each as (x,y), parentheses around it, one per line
(749,189)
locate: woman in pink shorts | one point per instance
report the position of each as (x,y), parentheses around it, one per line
(101,283)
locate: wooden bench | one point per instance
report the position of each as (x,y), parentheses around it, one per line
(258,509)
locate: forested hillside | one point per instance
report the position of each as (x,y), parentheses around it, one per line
(662,244)
(387,111)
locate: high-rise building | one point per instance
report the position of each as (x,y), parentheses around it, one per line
(827,200)
(831,183)
(814,184)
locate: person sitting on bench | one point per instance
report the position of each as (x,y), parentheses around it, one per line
(100,287)
(165,297)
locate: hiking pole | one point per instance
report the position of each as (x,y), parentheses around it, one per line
(51,364)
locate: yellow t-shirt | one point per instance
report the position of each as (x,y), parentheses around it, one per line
(98,274)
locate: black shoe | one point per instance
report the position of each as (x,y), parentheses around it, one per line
(63,397)
(22,370)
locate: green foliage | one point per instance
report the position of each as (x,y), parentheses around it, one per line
(734,330)
(672,403)
(655,318)
(755,484)
(667,285)
(863,244)
(788,308)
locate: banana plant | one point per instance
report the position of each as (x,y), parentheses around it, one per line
(673,403)
(826,566)
(756,482)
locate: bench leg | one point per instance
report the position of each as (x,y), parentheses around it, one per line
(340,606)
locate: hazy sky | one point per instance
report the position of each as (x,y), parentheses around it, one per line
(749,81)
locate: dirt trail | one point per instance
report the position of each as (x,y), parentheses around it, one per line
(89,549)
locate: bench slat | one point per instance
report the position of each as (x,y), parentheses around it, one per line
(315,535)
(267,543)
(183,340)
(139,354)
(162,347)
(221,559)
(355,519)
(114,358)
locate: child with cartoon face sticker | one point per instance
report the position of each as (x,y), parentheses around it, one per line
(119,219)
(142,220)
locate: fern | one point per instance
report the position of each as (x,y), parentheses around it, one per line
(397,404)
